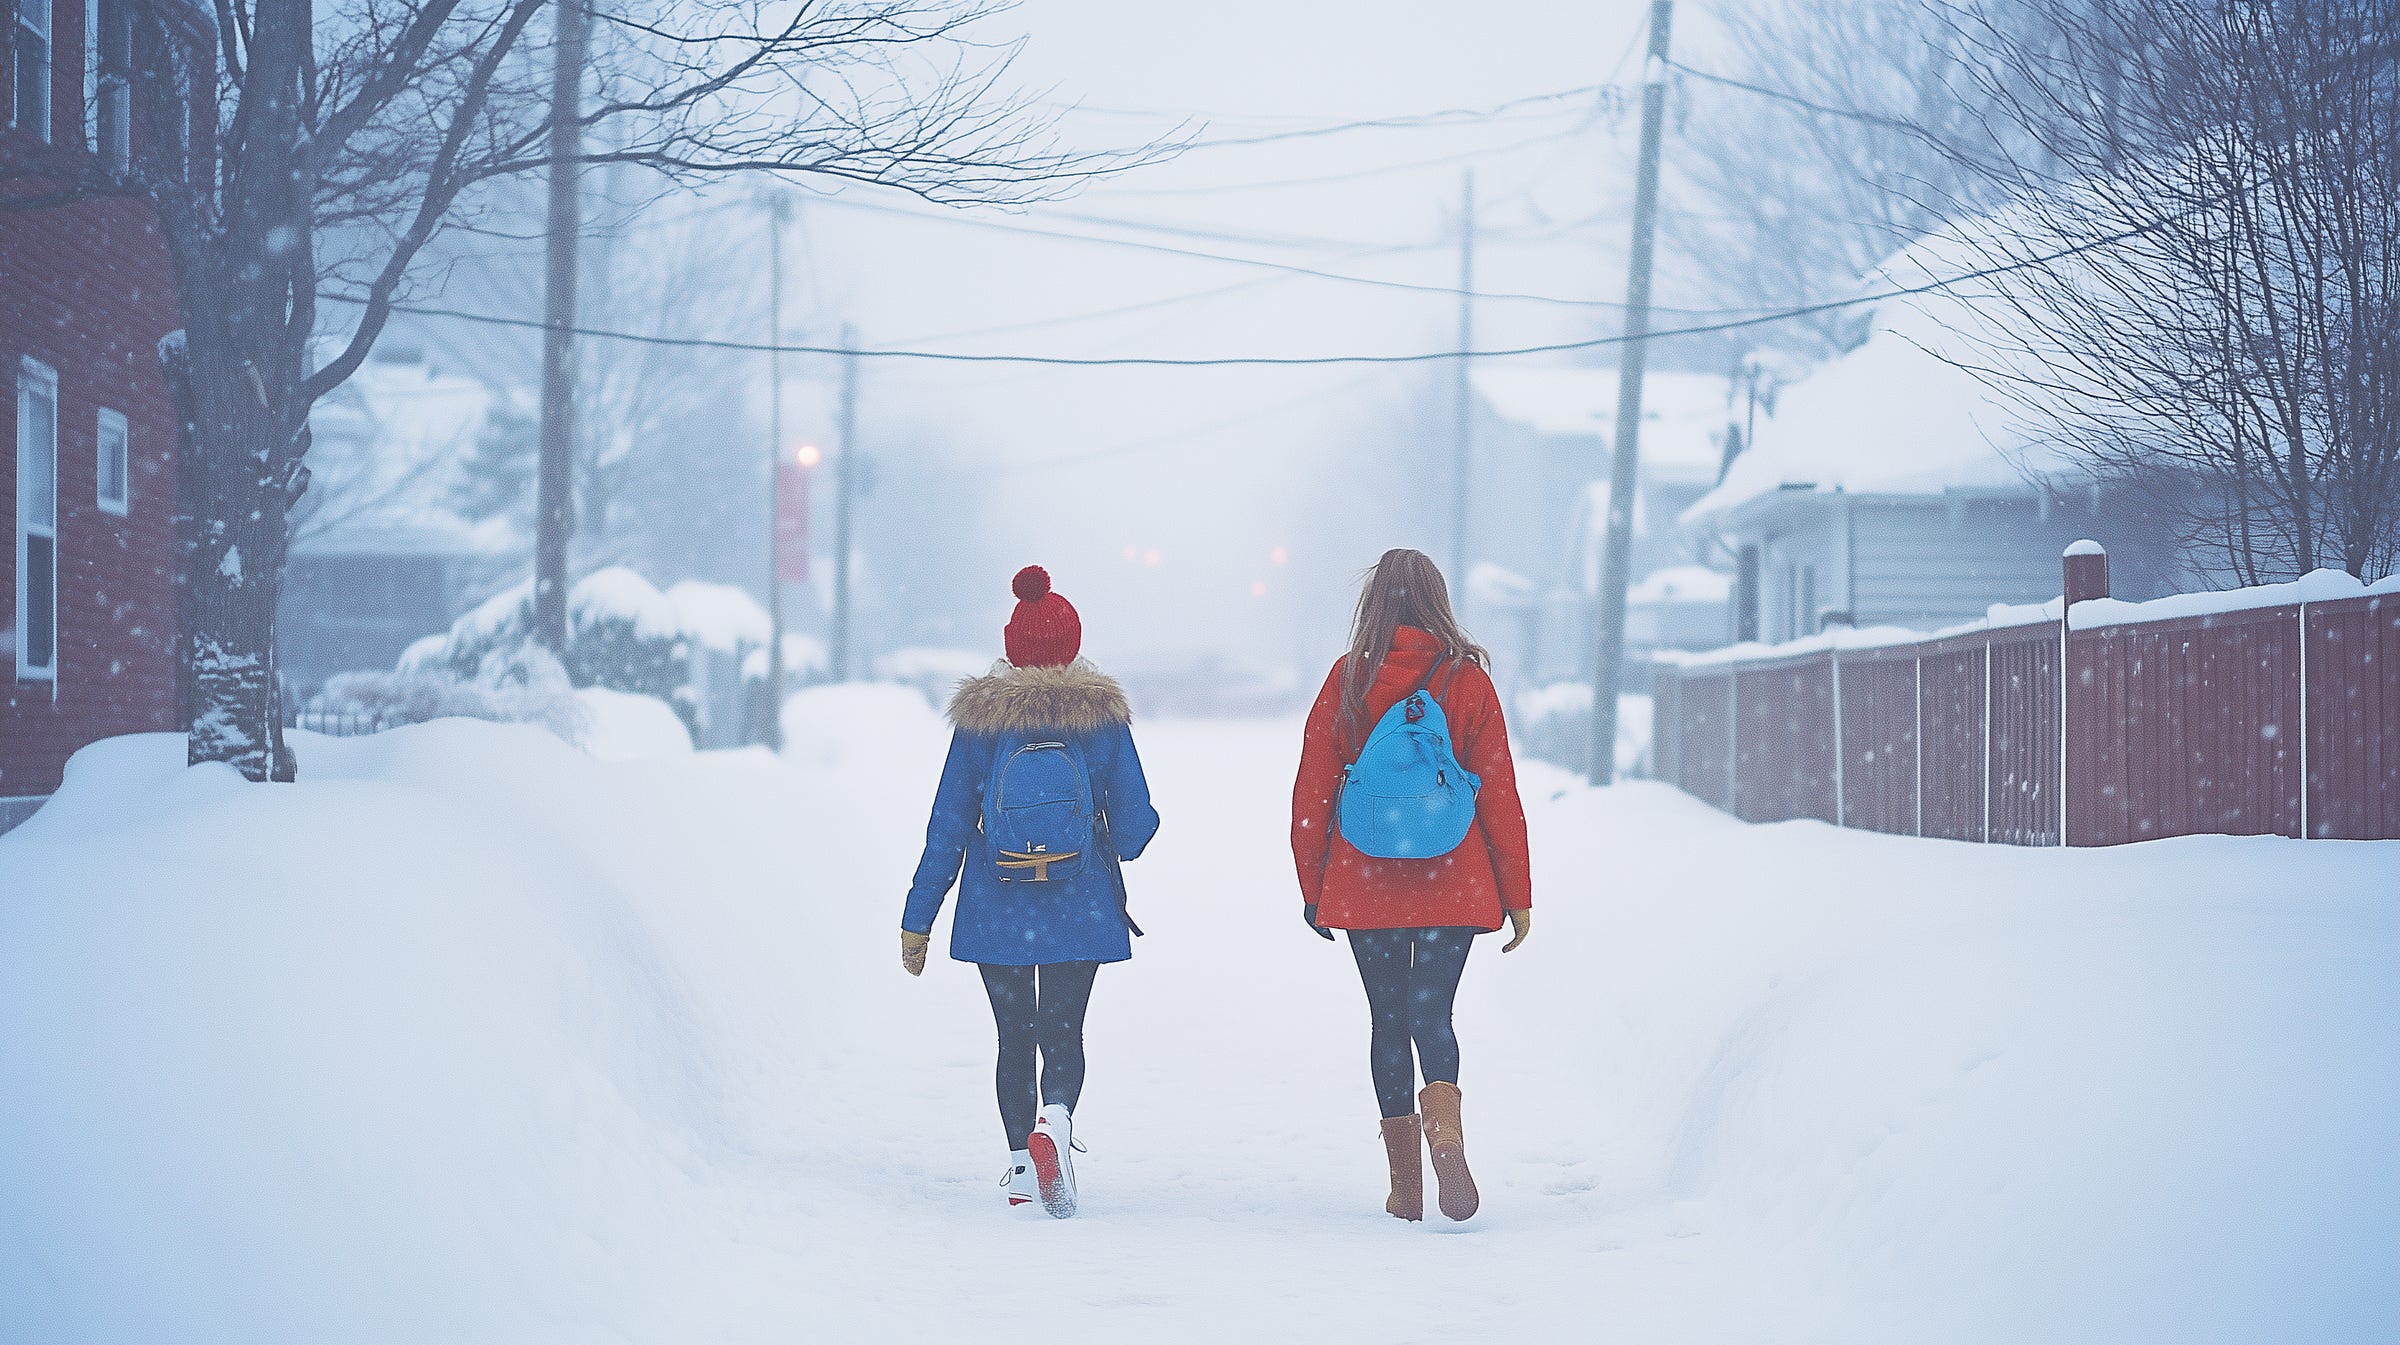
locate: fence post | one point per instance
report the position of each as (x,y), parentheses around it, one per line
(1986,791)
(1841,808)
(1919,732)
(1733,742)
(2083,575)
(2302,716)
(2084,568)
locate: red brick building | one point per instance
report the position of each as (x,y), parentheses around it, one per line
(87,447)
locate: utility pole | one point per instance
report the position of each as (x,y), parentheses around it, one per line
(554,491)
(1462,434)
(771,732)
(845,490)
(1608,669)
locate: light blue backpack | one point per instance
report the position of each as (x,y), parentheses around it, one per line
(1406,797)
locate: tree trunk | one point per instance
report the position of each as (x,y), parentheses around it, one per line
(242,475)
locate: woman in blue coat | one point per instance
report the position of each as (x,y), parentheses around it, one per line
(1042,795)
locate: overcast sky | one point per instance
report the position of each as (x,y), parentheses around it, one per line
(1137,463)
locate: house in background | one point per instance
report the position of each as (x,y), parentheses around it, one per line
(1542,460)
(1893,487)
(89,626)
(381,558)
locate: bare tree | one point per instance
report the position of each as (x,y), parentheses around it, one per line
(2233,355)
(645,409)
(332,142)
(1859,132)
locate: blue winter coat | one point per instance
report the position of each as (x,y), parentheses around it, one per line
(1081,919)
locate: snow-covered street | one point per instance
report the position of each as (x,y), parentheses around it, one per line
(470,1037)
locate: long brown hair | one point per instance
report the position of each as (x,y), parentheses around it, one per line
(1404,589)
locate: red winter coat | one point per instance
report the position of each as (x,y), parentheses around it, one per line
(1470,885)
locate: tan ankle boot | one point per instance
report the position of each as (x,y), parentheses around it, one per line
(1402,1138)
(1447,1138)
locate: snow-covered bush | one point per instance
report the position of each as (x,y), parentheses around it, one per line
(622,634)
(522,686)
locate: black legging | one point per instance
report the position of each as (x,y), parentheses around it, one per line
(1044,1014)
(1412,977)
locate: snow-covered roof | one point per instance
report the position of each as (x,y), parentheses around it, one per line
(1896,415)
(1682,583)
(1683,414)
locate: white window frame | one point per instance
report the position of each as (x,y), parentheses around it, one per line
(112,426)
(35,381)
(21,27)
(91,75)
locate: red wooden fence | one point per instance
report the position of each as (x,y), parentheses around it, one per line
(2230,717)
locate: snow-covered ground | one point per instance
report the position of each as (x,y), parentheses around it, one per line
(471,1037)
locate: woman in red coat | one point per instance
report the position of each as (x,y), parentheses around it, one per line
(1412,921)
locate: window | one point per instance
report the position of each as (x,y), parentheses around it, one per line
(115,477)
(1808,600)
(1791,601)
(32,111)
(37,522)
(108,81)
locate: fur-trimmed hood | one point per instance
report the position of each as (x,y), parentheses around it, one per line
(1076,698)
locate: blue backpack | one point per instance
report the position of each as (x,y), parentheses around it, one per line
(1406,797)
(1037,810)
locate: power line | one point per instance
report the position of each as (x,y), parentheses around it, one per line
(1122,310)
(1169,438)
(1326,179)
(1779,95)
(1402,119)
(1446,291)
(1293,361)
(1416,121)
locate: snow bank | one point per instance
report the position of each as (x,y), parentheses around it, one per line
(854,726)
(620,726)
(469,1037)
(382,1055)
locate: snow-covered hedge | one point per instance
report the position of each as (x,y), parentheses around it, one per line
(524,686)
(622,634)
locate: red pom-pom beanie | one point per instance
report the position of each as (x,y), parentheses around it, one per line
(1044,632)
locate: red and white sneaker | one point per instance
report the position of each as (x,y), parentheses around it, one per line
(1018,1180)
(1053,1149)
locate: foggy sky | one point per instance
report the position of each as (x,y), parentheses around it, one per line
(1137,464)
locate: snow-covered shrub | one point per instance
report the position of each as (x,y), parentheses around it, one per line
(521,686)
(622,634)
